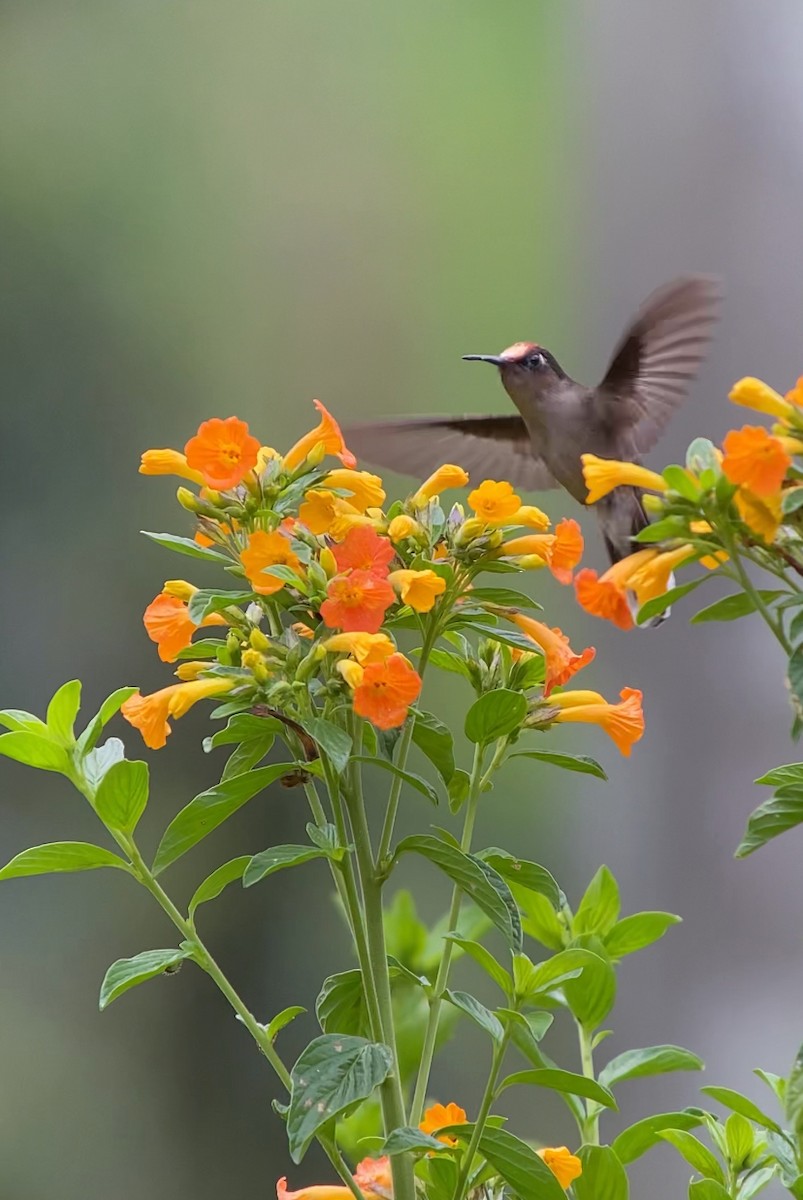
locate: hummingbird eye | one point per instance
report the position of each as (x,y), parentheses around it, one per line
(535,360)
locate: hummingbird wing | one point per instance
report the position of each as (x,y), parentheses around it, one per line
(487,447)
(658,357)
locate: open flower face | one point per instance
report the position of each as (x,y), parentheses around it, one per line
(564,1166)
(438,1116)
(363,549)
(419,589)
(357,602)
(168,624)
(223,452)
(755,459)
(493,501)
(386,690)
(266,550)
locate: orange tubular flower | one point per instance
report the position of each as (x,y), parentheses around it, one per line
(419,589)
(653,577)
(149,714)
(440,1115)
(362,549)
(623,722)
(564,1166)
(762,514)
(268,550)
(168,462)
(795,395)
(755,459)
(606,595)
(709,561)
(561,550)
(366,489)
(602,475)
(223,451)
(168,624)
(327,432)
(372,1176)
(365,647)
(357,601)
(493,501)
(447,476)
(561,661)
(383,691)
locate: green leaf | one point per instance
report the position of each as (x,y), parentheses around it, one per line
(340,1006)
(695,1153)
(637,931)
(791,500)
(34,751)
(603,1176)
(776,1084)
(740,1140)
(212,808)
(653,1060)
(738,1103)
(206,601)
(641,1137)
(789,775)
(19,721)
(556,972)
(702,455)
(526,1032)
(771,819)
(214,884)
(494,715)
(54,857)
(446,660)
(506,597)
(408,1138)
(486,960)
(679,481)
(598,910)
(527,875)
(661,531)
(468,875)
(122,795)
(434,739)
(246,756)
(100,760)
(755,1181)
(478,1013)
(243,727)
(539,919)
(794,674)
(592,996)
(568,762)
(507,637)
(519,1166)
(277,858)
(333,740)
(282,1019)
(331,1074)
(126,973)
(563,1081)
(458,789)
(186,546)
(707,1189)
(414,781)
(794,1096)
(108,709)
(62,711)
(730,608)
(659,604)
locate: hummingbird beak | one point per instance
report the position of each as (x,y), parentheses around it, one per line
(496,359)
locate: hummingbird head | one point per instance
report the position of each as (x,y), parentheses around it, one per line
(525,369)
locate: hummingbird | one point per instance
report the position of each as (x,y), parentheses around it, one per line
(559,419)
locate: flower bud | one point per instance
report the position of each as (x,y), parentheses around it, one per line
(317,454)
(258,641)
(190,670)
(189,500)
(180,589)
(254,613)
(233,643)
(328,562)
(653,505)
(403,527)
(253,661)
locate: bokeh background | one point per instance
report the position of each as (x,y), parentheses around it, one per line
(212,208)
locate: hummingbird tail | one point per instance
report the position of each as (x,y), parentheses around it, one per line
(621,517)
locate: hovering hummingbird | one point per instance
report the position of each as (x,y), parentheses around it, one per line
(559,419)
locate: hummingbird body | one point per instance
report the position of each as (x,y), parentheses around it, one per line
(560,419)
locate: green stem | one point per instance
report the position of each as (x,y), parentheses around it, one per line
(376,968)
(589,1131)
(405,741)
(442,978)
(730,544)
(208,964)
(482,1116)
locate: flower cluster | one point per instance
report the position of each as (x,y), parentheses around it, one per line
(742,500)
(327,580)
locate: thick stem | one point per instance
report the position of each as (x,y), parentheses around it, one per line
(482,1116)
(730,544)
(590,1129)
(442,978)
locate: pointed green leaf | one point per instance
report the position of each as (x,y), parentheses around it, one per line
(277,858)
(413,781)
(34,751)
(794,1096)
(527,875)
(653,1060)
(556,972)
(519,1166)
(340,1006)
(459,787)
(108,709)
(696,1154)
(186,546)
(539,918)
(641,1137)
(122,795)
(243,727)
(212,808)
(494,715)
(214,884)
(708,1189)
(730,608)
(738,1103)
(333,740)
(434,739)
(562,1081)
(637,931)
(659,604)
(128,972)
(790,775)
(486,960)
(19,721)
(772,818)
(282,1019)
(479,1014)
(598,910)
(506,597)
(100,760)
(62,711)
(603,1176)
(54,857)
(408,1138)
(330,1075)
(592,996)
(681,482)
(568,762)
(206,601)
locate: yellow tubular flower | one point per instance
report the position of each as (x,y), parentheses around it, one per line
(168,462)
(564,1166)
(403,527)
(541,544)
(652,579)
(347,520)
(351,671)
(494,503)
(321,508)
(180,589)
(791,445)
(709,561)
(365,647)
(753,393)
(366,489)
(762,514)
(447,476)
(191,670)
(531,517)
(419,589)
(602,475)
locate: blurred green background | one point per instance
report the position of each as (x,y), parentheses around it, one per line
(209,209)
